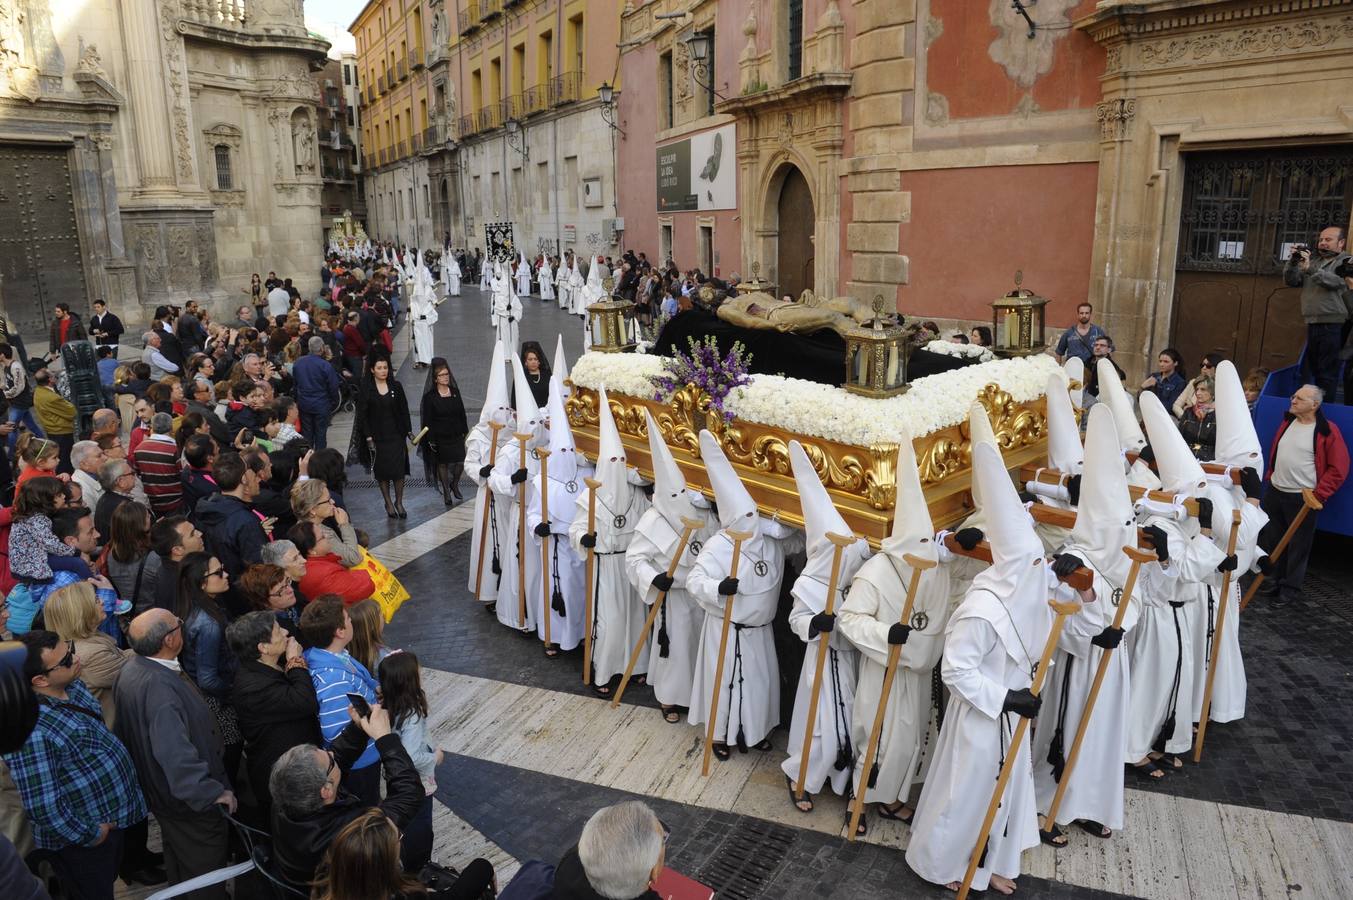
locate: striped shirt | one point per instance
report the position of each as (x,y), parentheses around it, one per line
(336,675)
(157,460)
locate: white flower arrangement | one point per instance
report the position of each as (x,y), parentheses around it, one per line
(962,351)
(805,407)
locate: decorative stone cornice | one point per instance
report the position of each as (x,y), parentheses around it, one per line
(1260,25)
(820,85)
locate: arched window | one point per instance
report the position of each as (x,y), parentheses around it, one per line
(224,181)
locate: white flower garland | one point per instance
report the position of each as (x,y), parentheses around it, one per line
(805,407)
(962,351)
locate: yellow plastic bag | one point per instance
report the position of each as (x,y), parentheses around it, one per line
(390,594)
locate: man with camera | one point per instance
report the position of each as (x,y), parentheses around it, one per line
(1325,277)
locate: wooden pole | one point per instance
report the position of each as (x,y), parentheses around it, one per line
(918,565)
(1139,558)
(1082,579)
(1310,503)
(839,543)
(1012,751)
(521,534)
(1044,475)
(1216,638)
(544,455)
(592,485)
(688,527)
(494,428)
(737,538)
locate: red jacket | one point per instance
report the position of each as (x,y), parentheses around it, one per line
(327,575)
(1331,455)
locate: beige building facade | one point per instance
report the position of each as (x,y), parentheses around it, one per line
(154,152)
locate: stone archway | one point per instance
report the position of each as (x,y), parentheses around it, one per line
(794,232)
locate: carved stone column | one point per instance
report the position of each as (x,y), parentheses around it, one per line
(147,78)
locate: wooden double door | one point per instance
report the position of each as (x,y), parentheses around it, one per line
(1242,213)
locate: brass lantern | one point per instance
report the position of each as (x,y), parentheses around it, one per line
(876,356)
(755,285)
(606,322)
(1017,322)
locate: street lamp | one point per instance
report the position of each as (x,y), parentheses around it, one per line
(699,43)
(606,93)
(516,139)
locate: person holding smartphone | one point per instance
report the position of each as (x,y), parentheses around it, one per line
(1326,302)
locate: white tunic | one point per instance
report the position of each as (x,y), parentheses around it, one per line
(749,697)
(546,281)
(453,274)
(478,455)
(567,569)
(523,278)
(506,315)
(873,606)
(423,310)
(650,553)
(576,304)
(508,495)
(561,285)
(617,612)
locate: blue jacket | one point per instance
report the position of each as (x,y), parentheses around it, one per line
(335,675)
(205,657)
(316,384)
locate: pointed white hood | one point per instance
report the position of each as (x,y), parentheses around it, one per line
(559,374)
(1065,453)
(1111,392)
(563,460)
(737,509)
(612,472)
(821,516)
(1018,576)
(670,497)
(913,530)
(979,432)
(497,403)
(1074,369)
(529,418)
(1237,441)
(594,274)
(1105,521)
(1180,472)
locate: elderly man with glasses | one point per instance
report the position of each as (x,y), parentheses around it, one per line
(174,743)
(76,779)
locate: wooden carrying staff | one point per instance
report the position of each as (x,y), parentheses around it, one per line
(839,543)
(1012,753)
(544,455)
(1139,558)
(737,537)
(592,485)
(918,565)
(521,534)
(1082,579)
(1216,637)
(688,527)
(1309,503)
(494,428)
(1052,476)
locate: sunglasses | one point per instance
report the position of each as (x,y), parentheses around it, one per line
(66,661)
(213,573)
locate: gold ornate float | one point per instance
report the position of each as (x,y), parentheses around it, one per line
(861,479)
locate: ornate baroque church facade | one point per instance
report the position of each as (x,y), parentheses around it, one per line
(154,151)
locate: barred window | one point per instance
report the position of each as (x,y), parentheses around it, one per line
(223,179)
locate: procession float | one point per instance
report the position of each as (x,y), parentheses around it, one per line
(861,390)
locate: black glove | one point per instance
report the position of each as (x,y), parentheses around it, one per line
(663,582)
(898,634)
(1022,702)
(1265,565)
(1109,638)
(728,587)
(519,476)
(1073,490)
(967,538)
(1251,483)
(1159,541)
(1228,564)
(821,623)
(1063,564)
(543,530)
(1204,513)
(647,489)
(485,471)
(1147,455)
(588,540)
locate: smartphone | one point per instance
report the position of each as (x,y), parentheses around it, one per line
(359,703)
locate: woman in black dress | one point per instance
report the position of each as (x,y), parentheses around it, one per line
(381,430)
(442,413)
(537,373)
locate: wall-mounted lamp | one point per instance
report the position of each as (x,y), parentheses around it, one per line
(606,93)
(516,138)
(700,45)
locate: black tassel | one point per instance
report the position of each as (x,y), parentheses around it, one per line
(842,759)
(742,741)
(1056,756)
(497,566)
(664,642)
(982,861)
(557,603)
(874,774)
(1166,731)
